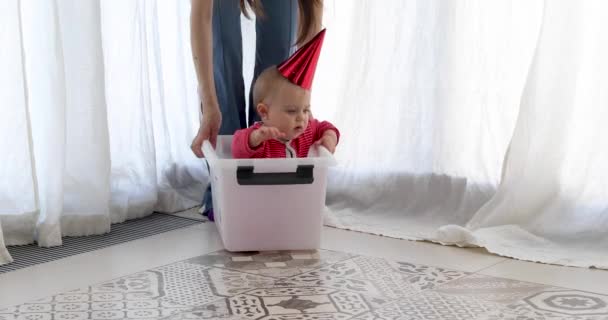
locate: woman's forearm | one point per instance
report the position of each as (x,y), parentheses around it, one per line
(315,12)
(201,40)
(319,20)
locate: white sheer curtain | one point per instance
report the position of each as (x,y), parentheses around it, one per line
(552,204)
(98,101)
(429,96)
(153,110)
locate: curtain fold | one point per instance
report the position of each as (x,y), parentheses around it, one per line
(17,182)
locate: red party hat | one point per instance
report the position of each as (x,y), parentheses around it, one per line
(300,67)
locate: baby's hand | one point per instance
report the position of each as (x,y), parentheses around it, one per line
(329,140)
(262,134)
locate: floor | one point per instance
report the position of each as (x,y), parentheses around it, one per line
(185,274)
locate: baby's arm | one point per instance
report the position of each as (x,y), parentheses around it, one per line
(249,143)
(240,145)
(262,134)
(326,134)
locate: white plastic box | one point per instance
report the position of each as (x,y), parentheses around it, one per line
(268,204)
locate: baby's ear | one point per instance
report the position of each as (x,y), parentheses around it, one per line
(262,110)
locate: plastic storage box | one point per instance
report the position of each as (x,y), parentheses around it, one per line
(268,204)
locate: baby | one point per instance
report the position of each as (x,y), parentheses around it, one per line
(281,95)
(287,128)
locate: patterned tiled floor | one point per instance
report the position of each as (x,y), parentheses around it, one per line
(311,285)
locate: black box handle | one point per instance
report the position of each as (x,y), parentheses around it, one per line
(246,177)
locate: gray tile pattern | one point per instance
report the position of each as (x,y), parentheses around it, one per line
(311,286)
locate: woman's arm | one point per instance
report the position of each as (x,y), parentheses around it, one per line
(318,24)
(202,46)
(310,20)
(201,40)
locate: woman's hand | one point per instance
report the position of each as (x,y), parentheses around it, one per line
(208,130)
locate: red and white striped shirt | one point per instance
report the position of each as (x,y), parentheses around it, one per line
(296,148)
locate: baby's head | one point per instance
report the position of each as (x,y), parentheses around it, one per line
(281,104)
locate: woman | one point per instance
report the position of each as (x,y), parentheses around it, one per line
(217,53)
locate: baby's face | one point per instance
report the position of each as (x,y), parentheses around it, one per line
(289,110)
